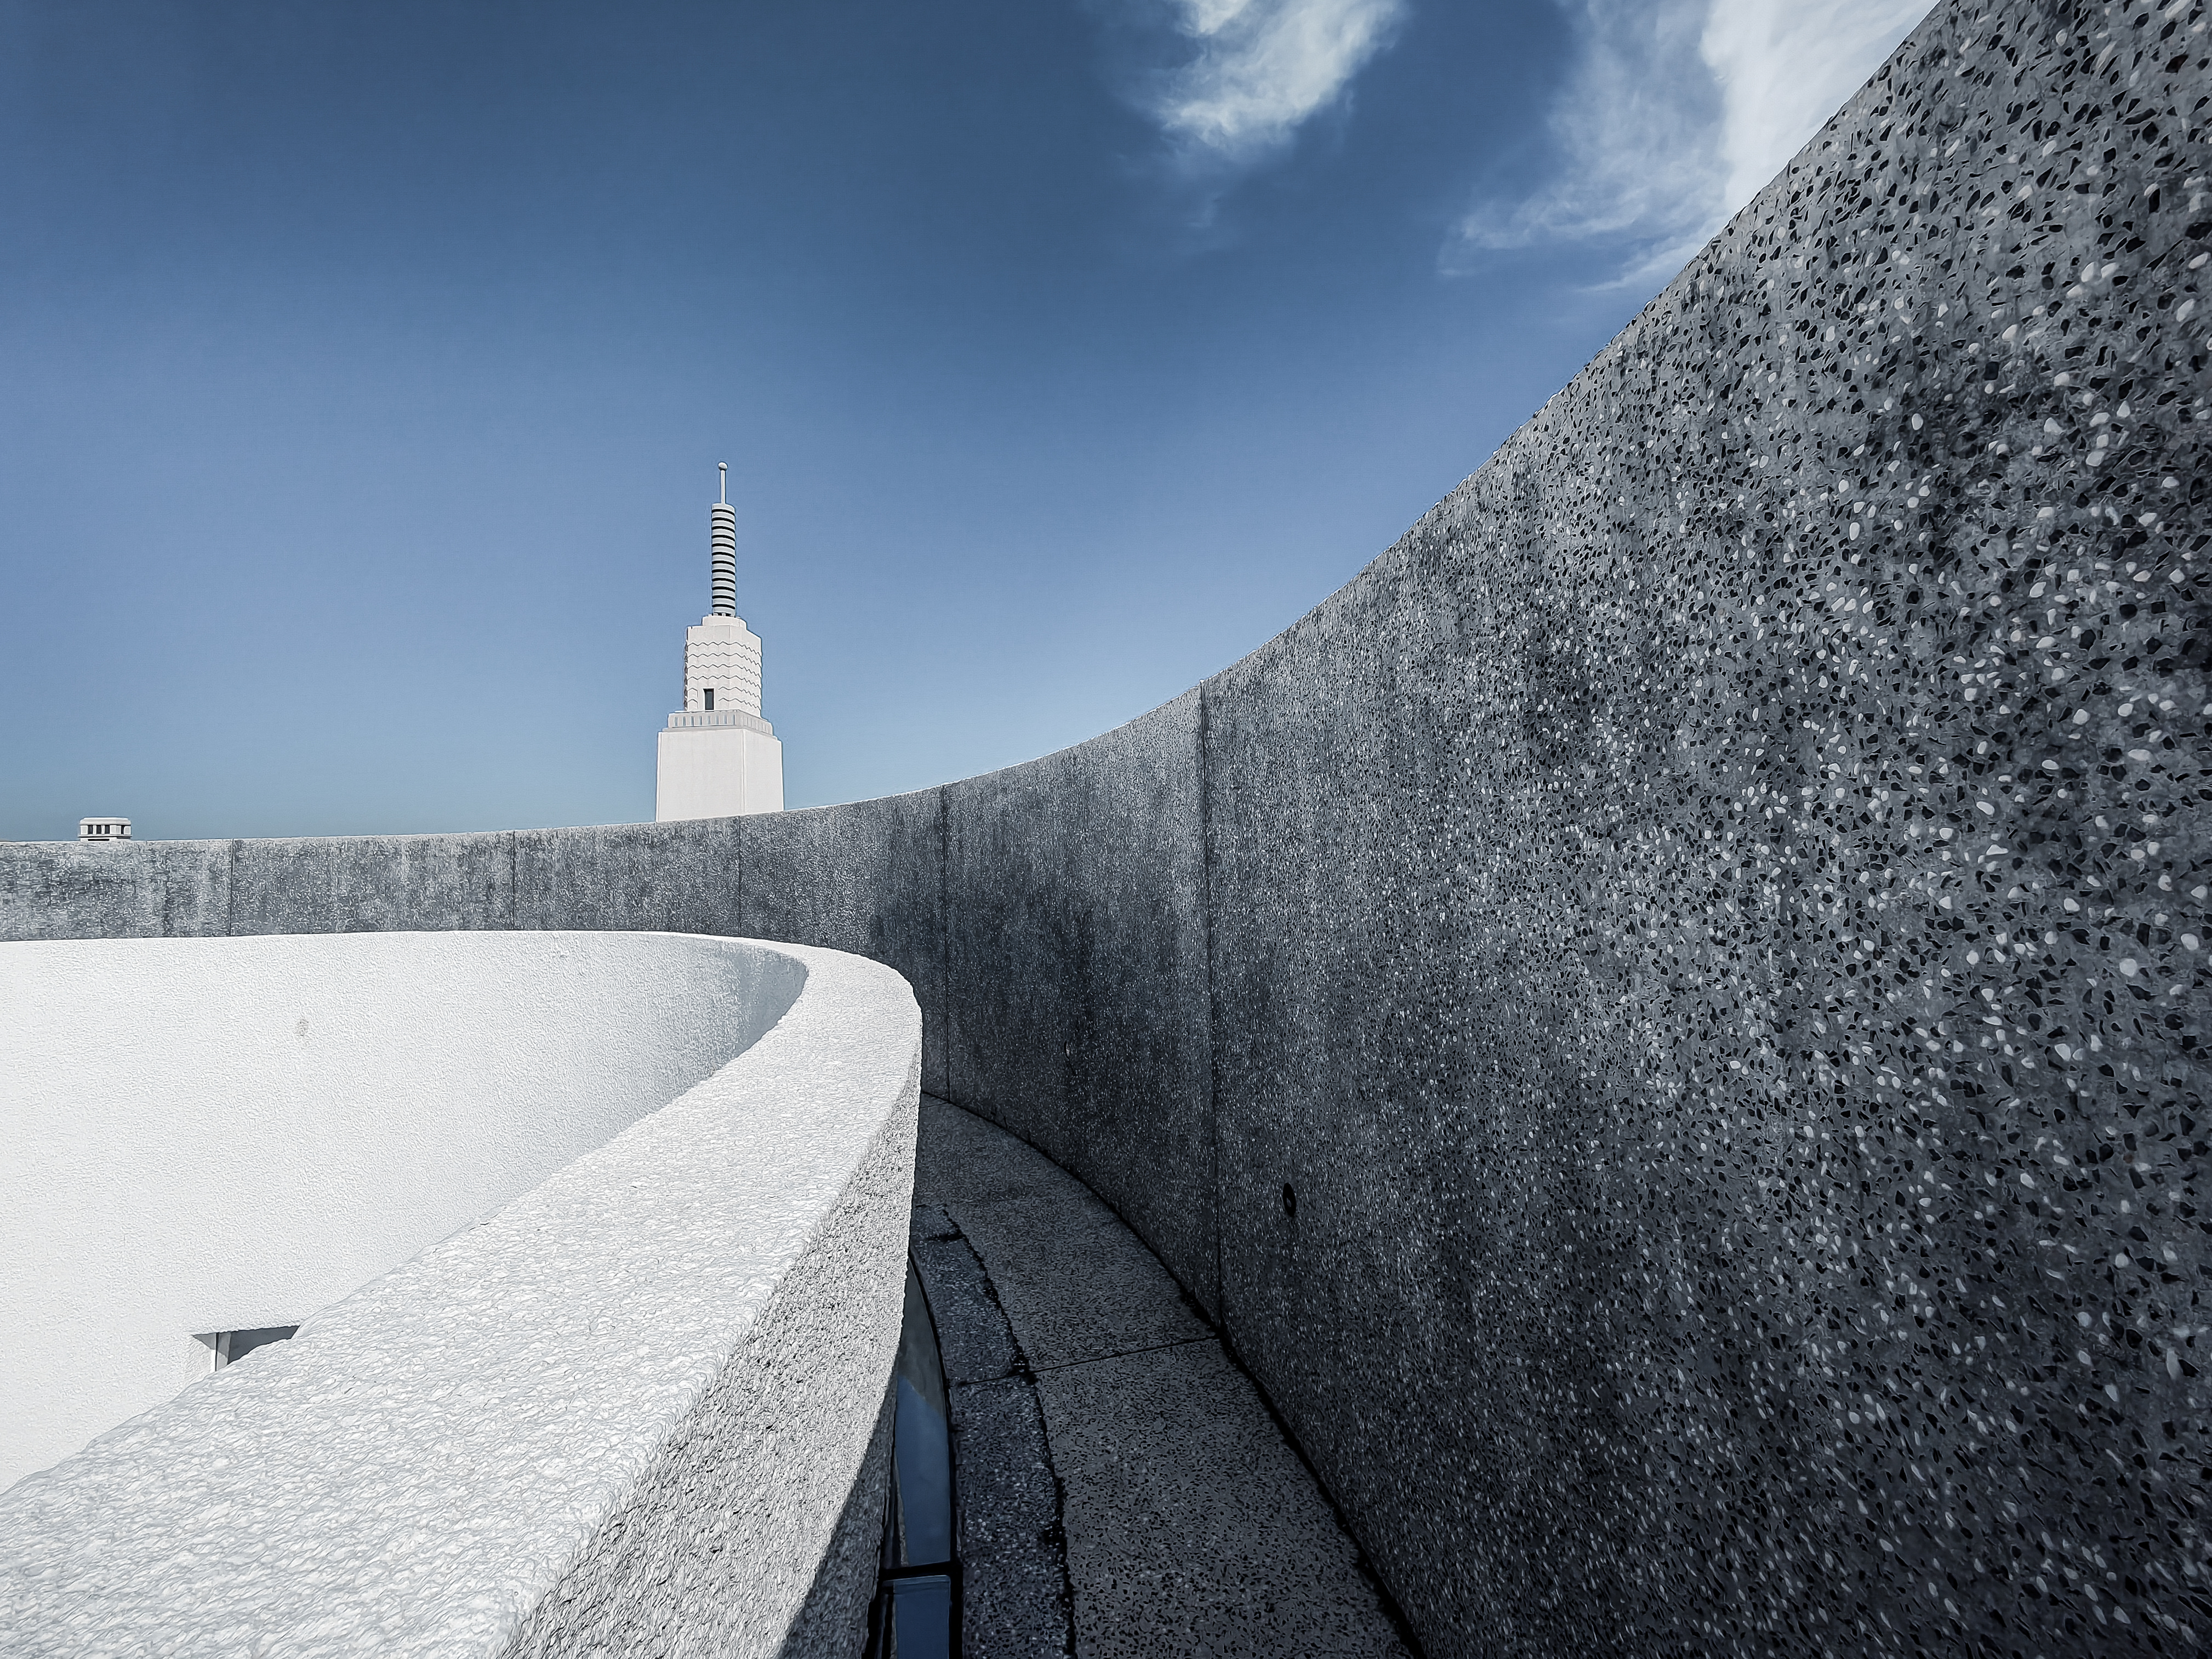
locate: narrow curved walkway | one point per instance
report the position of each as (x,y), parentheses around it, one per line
(1123,1488)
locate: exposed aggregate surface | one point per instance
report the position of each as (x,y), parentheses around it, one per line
(1666,1020)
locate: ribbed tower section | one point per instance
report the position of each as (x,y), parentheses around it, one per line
(722,520)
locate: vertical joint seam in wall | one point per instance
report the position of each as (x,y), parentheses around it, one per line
(943,946)
(1212,997)
(230,891)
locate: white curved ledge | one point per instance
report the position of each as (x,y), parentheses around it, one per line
(634,1398)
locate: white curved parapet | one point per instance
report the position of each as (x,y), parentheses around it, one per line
(632,1401)
(219,1135)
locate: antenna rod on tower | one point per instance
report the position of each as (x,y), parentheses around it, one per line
(722,534)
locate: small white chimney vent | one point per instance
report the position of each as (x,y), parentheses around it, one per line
(103,828)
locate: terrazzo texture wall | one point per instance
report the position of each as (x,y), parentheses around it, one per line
(1712,923)
(1665,1020)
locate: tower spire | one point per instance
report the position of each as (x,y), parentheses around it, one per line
(722,535)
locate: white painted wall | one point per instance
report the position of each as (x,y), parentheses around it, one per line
(716,772)
(621,1415)
(219,1134)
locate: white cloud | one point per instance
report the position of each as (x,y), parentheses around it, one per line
(1784,67)
(1675,115)
(1262,67)
(1636,129)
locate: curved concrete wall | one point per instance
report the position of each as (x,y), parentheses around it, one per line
(1709,926)
(625,1412)
(221,1134)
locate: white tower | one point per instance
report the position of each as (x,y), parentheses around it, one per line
(717,757)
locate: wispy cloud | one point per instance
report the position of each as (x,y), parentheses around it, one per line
(1635,132)
(1675,113)
(1785,66)
(1258,69)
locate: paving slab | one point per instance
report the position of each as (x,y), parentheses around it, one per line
(1013,1552)
(962,1158)
(1192,1527)
(972,1340)
(1124,1488)
(1075,1282)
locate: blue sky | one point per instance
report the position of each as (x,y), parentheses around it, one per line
(363,369)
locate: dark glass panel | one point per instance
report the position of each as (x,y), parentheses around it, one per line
(917,1618)
(920,1533)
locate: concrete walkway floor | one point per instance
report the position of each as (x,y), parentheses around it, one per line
(1122,1487)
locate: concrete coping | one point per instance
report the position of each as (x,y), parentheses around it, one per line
(634,1399)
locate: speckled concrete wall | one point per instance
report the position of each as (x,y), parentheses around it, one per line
(1709,927)
(1078,1016)
(1730,1008)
